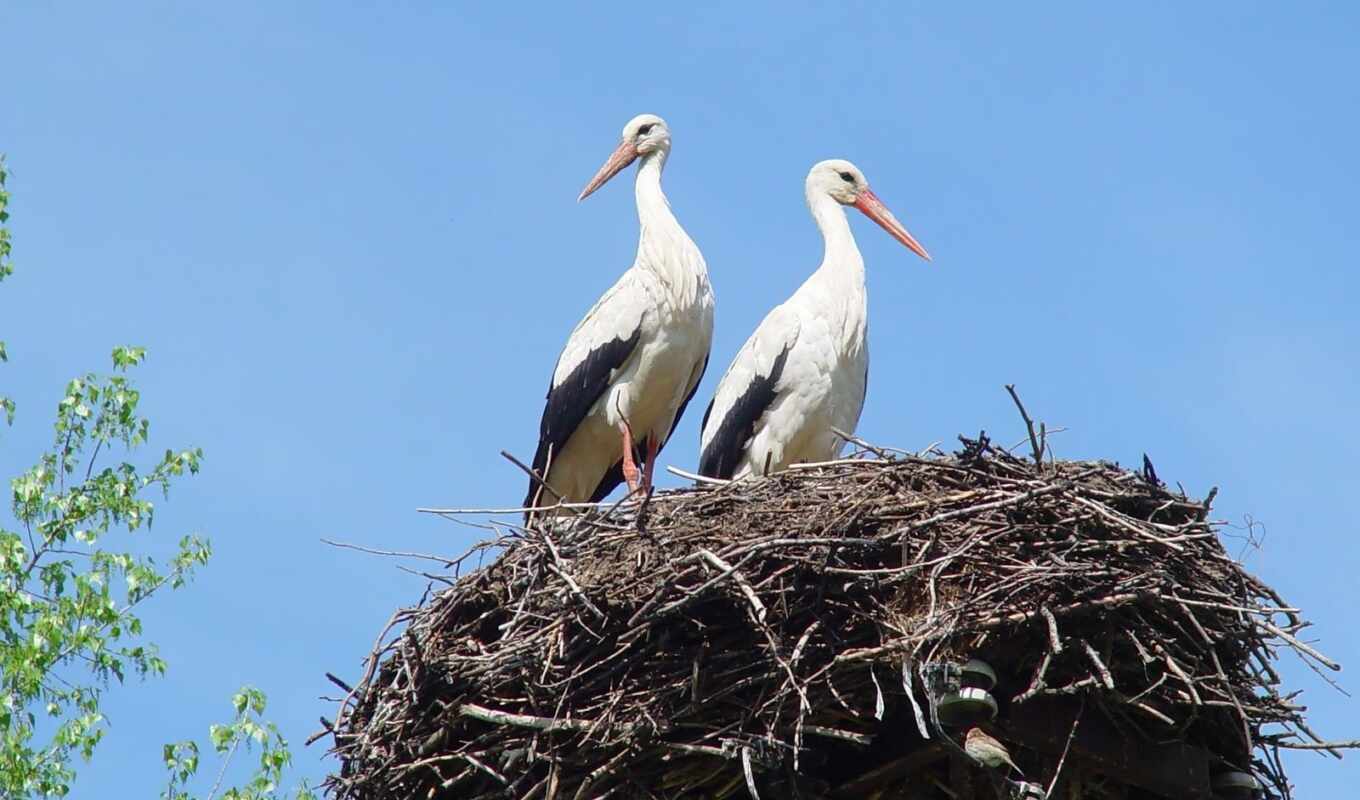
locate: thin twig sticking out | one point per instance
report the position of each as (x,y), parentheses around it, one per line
(533,476)
(696,477)
(1072,734)
(1351,744)
(1038,442)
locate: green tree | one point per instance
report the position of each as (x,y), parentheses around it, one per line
(6,404)
(70,593)
(248,728)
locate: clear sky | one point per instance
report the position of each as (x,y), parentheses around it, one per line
(348,236)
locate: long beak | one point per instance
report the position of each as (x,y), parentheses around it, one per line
(624,155)
(874,209)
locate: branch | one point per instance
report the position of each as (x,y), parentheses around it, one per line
(1034,441)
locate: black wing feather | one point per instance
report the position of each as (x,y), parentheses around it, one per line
(720,458)
(680,412)
(570,401)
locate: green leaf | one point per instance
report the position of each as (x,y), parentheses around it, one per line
(221,736)
(124,357)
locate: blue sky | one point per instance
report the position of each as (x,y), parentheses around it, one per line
(349,239)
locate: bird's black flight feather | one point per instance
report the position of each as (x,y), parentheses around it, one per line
(723,453)
(570,401)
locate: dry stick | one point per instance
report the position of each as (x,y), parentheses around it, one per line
(468,757)
(1301,725)
(1037,684)
(1348,744)
(1055,644)
(395,553)
(1119,520)
(453,512)
(750,775)
(858,442)
(372,663)
(1208,501)
(836,733)
(1029,425)
(533,476)
(523,720)
(911,697)
(803,708)
(697,478)
(326,728)
(1241,714)
(1072,734)
(1321,659)
(1180,673)
(562,573)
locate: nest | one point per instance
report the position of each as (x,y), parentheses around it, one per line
(795,636)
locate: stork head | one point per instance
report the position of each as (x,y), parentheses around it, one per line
(843,182)
(643,135)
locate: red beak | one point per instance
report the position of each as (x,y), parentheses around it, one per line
(622,156)
(874,209)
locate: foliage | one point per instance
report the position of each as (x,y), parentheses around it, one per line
(249,728)
(68,621)
(67,606)
(6,404)
(68,598)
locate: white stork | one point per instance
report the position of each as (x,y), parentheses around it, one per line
(632,364)
(806,368)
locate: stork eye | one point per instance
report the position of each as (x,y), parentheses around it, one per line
(646,129)
(847,177)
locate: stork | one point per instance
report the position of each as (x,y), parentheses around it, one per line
(632,364)
(805,370)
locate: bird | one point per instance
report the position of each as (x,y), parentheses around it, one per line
(987,751)
(633,363)
(804,371)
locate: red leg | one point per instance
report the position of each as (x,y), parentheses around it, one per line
(652,447)
(630,470)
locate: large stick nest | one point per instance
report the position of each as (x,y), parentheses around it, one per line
(790,636)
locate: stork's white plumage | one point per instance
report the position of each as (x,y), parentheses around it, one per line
(632,364)
(805,369)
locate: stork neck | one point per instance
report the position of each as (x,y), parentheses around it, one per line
(663,246)
(841,254)
(653,208)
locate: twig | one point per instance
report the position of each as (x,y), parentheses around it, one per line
(697,478)
(860,443)
(560,569)
(1346,744)
(226,761)
(344,687)
(523,720)
(1054,642)
(757,607)
(1320,658)
(860,739)
(1029,425)
(1071,734)
(541,480)
(395,553)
